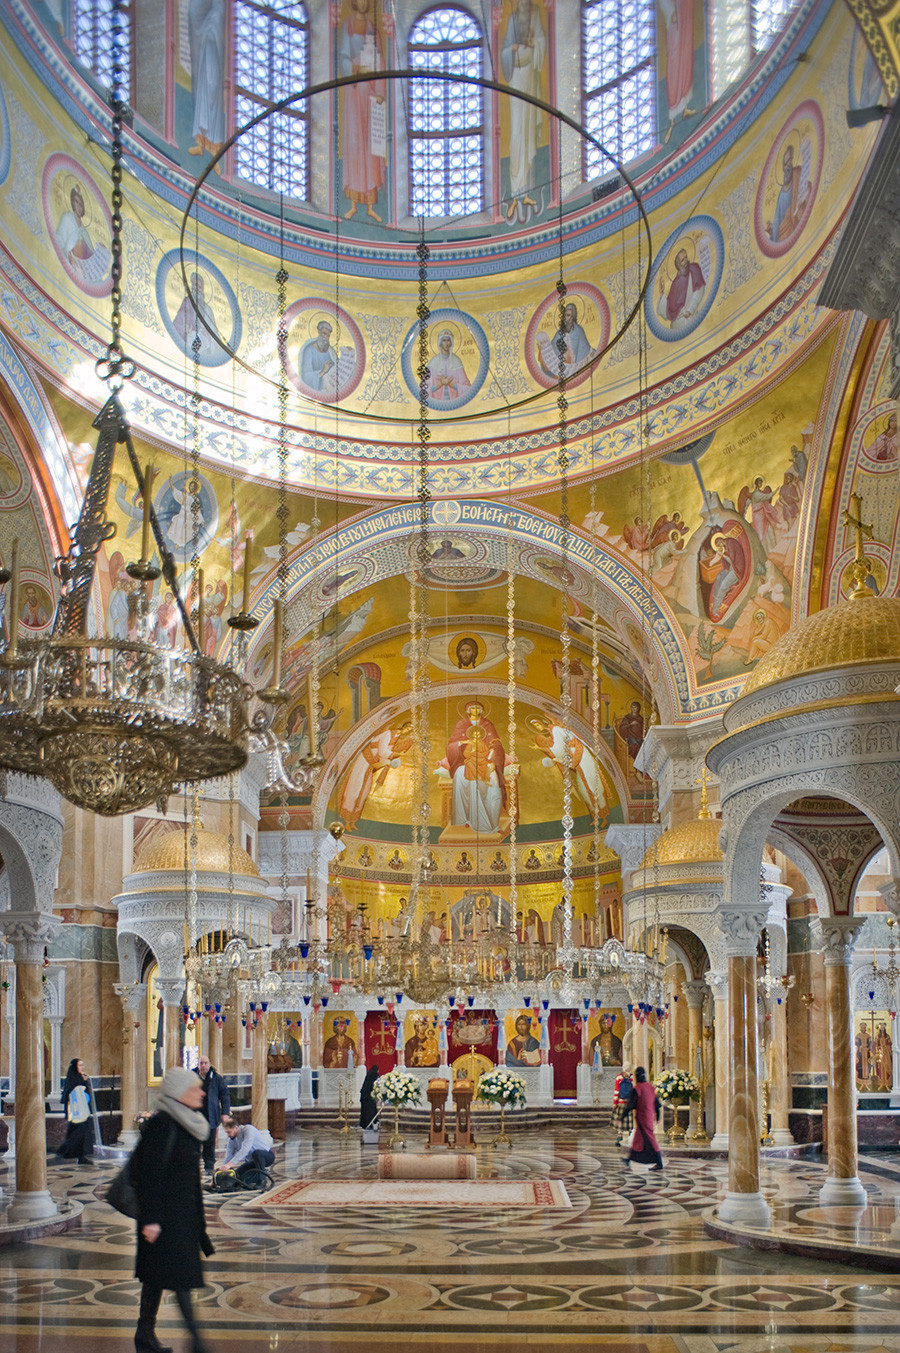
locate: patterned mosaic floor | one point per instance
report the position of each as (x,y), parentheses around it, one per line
(628,1267)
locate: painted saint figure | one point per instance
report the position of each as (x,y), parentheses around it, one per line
(361,51)
(476,760)
(569,344)
(197,340)
(792,198)
(678,16)
(447,379)
(522,58)
(90,261)
(339,1048)
(206,35)
(524,1049)
(683,300)
(884,446)
(319,360)
(422,1048)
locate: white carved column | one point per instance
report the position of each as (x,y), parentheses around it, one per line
(779,1077)
(134,998)
(171,991)
(55,1096)
(694,995)
(842,1188)
(718,985)
(743,1201)
(29,933)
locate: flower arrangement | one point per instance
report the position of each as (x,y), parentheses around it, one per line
(502,1087)
(398,1088)
(677,1087)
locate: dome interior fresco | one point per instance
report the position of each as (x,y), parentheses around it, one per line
(709,451)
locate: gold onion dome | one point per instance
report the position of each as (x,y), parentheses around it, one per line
(167,852)
(691,843)
(854,632)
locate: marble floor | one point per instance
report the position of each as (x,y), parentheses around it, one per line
(627,1267)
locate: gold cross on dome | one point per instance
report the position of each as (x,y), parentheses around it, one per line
(859,570)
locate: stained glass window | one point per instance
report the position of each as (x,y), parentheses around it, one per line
(446,120)
(740,32)
(618,80)
(92,29)
(271,59)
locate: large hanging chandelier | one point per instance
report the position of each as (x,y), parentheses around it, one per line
(116,723)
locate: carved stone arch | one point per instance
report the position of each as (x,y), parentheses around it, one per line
(53,992)
(747,818)
(133,952)
(806,863)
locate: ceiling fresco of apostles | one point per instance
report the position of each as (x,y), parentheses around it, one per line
(703,501)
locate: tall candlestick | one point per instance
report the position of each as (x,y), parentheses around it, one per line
(276,645)
(14,600)
(200,609)
(248,541)
(149,476)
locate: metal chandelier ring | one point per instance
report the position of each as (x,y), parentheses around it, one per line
(367,77)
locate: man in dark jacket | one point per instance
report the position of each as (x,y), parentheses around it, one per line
(216,1105)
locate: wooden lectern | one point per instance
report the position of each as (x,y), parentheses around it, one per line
(463,1091)
(438,1090)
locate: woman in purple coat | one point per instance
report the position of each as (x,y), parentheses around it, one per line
(645,1106)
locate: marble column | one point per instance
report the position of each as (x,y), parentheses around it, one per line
(29,933)
(743,1201)
(134,999)
(695,995)
(214,1040)
(259,1090)
(779,1079)
(718,985)
(842,1188)
(171,990)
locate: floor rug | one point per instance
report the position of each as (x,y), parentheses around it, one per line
(480,1193)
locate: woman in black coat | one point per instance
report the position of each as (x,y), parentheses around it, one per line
(171,1227)
(79,1140)
(368,1108)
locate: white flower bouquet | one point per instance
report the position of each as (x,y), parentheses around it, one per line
(399,1088)
(502,1087)
(677,1087)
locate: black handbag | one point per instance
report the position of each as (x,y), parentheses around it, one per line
(121,1194)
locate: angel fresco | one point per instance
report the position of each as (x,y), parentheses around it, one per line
(370,769)
(763,514)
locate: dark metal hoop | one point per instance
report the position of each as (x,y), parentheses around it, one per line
(366,77)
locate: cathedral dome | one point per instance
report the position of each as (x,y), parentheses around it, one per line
(691,843)
(849,634)
(167,852)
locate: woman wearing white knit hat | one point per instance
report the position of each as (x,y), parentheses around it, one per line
(165,1172)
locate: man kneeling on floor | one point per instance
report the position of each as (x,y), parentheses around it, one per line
(248,1153)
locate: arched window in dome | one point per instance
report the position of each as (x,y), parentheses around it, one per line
(271,61)
(92,28)
(446,120)
(617,79)
(741,31)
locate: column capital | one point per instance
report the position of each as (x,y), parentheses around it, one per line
(717,982)
(741,927)
(132,995)
(890,896)
(837,935)
(29,933)
(171,990)
(695,993)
